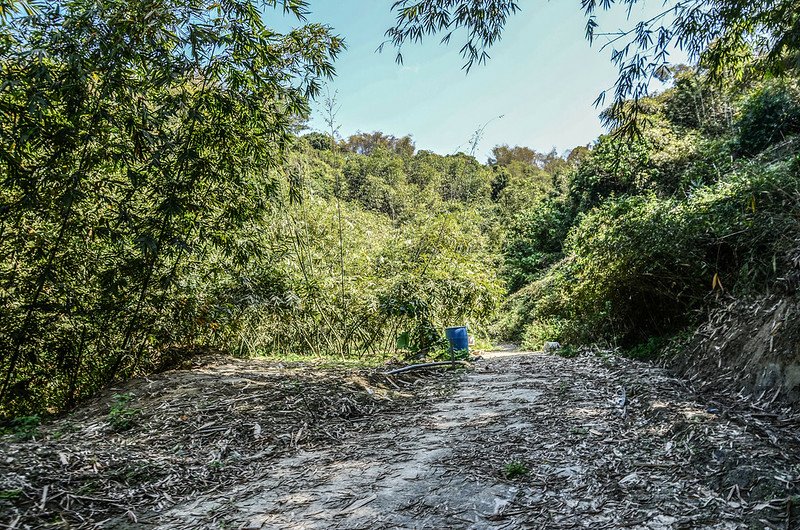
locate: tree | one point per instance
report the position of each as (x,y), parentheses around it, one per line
(769,116)
(138,141)
(365,143)
(720,35)
(503,155)
(694,103)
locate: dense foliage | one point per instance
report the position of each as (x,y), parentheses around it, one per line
(156,197)
(647,233)
(412,256)
(138,140)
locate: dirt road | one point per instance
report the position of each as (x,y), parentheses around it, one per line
(531,441)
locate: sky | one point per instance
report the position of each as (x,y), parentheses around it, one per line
(542,78)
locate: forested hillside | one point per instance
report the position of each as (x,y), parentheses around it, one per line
(222,308)
(161,196)
(649,231)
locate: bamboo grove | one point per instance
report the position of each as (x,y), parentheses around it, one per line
(160,197)
(138,139)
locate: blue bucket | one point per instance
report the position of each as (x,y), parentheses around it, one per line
(458,338)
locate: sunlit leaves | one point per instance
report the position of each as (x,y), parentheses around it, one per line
(10,8)
(139,139)
(482,21)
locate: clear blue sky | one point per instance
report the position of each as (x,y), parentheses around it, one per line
(542,77)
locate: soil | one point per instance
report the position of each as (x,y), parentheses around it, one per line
(522,440)
(747,347)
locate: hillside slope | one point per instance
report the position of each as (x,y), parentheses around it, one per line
(748,347)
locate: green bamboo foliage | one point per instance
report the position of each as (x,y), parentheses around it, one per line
(404,278)
(400,281)
(139,138)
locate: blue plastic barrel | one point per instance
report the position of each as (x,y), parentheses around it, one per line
(458,338)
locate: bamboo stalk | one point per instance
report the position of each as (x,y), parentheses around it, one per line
(427,365)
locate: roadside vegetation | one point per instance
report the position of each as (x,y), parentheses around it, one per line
(161,197)
(647,232)
(202,298)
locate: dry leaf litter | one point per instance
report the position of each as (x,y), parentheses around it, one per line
(524,440)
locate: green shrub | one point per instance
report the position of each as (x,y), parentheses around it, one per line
(10,495)
(320,141)
(637,267)
(405,281)
(122,416)
(648,350)
(662,162)
(515,313)
(544,330)
(515,469)
(769,115)
(126,182)
(23,427)
(695,103)
(568,352)
(534,240)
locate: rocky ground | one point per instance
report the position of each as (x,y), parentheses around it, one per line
(521,440)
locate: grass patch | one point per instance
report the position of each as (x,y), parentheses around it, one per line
(122,416)
(10,495)
(22,428)
(515,469)
(323,361)
(649,350)
(568,352)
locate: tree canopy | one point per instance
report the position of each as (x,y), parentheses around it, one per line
(137,137)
